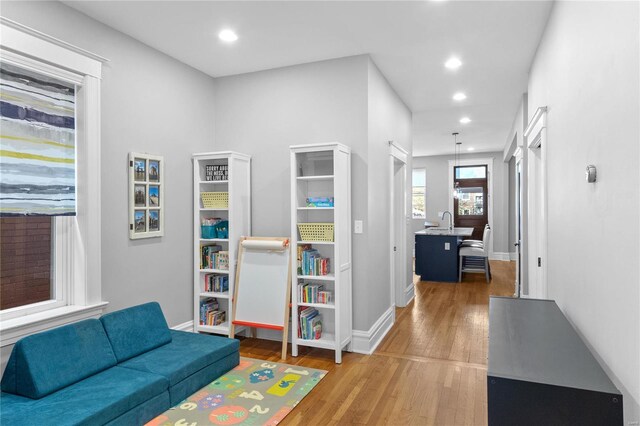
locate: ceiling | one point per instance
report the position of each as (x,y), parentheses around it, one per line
(408,41)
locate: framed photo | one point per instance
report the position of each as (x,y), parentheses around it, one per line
(140,195)
(154,195)
(146,196)
(140,169)
(154,170)
(140,221)
(154,220)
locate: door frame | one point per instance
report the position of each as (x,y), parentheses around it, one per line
(474,183)
(399,290)
(536,138)
(518,231)
(483,161)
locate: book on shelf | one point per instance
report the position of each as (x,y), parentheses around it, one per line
(314,293)
(301,248)
(311,262)
(216,283)
(320,202)
(213,257)
(210,313)
(310,323)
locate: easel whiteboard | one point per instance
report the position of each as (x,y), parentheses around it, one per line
(263,285)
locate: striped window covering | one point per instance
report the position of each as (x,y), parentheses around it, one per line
(37,144)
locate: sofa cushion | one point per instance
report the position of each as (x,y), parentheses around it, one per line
(46,362)
(96,400)
(186,354)
(143,413)
(198,380)
(135,330)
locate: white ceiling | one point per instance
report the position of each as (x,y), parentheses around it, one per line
(408,41)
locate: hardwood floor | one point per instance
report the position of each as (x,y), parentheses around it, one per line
(430,368)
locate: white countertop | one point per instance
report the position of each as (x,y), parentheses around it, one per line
(457,231)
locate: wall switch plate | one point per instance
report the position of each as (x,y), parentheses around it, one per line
(447,246)
(357,227)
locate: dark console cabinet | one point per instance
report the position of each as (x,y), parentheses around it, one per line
(540,372)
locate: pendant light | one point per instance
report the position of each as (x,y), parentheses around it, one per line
(456,154)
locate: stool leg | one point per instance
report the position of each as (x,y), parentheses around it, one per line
(486,268)
(460,261)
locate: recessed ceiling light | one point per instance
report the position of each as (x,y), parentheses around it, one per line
(470,148)
(465,120)
(459,96)
(453,63)
(227,35)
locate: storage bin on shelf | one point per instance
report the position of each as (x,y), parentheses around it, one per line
(208,232)
(316,231)
(215,200)
(220,229)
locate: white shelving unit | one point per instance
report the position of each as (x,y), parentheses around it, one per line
(324,170)
(238,185)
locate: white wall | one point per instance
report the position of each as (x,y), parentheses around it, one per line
(150,103)
(437,195)
(586,71)
(263,113)
(389,120)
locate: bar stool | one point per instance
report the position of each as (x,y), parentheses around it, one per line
(474,243)
(475,258)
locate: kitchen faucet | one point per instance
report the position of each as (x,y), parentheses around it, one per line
(450,219)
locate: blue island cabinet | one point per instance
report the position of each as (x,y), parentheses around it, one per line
(437,253)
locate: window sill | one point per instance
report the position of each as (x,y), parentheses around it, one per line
(16,328)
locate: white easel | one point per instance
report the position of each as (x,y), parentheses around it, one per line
(263,286)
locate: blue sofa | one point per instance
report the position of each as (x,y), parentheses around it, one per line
(123,369)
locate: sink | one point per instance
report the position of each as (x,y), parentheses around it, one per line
(437,229)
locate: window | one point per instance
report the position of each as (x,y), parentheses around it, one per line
(471,172)
(418,193)
(471,201)
(26,258)
(49,266)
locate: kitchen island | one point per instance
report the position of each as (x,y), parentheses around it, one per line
(437,253)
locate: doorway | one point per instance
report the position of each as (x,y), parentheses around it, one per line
(470,206)
(487,162)
(535,135)
(518,222)
(401,291)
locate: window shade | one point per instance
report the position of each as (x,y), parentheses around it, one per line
(37,144)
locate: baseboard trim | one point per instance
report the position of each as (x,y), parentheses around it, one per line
(496,255)
(409,293)
(513,256)
(185,326)
(366,342)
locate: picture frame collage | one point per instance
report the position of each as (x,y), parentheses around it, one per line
(146,196)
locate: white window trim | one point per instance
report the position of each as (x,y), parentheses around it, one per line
(78,238)
(423,169)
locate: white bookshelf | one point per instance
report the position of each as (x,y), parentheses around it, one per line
(238,213)
(323,170)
